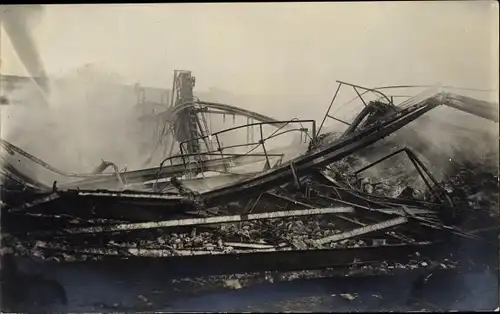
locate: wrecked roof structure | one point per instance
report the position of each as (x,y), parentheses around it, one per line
(250,206)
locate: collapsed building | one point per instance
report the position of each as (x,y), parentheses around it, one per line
(210,208)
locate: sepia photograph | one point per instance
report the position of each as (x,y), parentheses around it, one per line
(250,157)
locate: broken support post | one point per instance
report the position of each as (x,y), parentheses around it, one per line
(328,110)
(413,156)
(295,177)
(359,95)
(219,148)
(252,204)
(268,164)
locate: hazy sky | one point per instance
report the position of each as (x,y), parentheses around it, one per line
(280,59)
(274,48)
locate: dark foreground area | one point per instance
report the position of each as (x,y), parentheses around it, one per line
(462,292)
(67,289)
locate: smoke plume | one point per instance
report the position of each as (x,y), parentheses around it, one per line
(18,20)
(89,119)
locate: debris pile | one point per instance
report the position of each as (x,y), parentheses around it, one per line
(326,207)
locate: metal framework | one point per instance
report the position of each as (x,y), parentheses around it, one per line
(277,205)
(281,125)
(188,124)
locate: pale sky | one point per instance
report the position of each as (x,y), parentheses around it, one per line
(274,48)
(280,59)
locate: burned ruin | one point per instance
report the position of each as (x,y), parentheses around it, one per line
(220,209)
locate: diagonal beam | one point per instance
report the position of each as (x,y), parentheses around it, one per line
(36,202)
(363,230)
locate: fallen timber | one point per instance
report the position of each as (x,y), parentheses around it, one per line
(228,263)
(126,227)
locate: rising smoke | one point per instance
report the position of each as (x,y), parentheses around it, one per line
(18,20)
(89,119)
(86,119)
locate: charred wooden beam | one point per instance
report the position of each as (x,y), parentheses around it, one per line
(363,230)
(209,220)
(36,202)
(262,261)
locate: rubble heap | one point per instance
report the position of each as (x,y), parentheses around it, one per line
(329,207)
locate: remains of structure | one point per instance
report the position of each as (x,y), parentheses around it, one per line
(222,209)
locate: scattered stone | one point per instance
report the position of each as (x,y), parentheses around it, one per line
(348,296)
(232,283)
